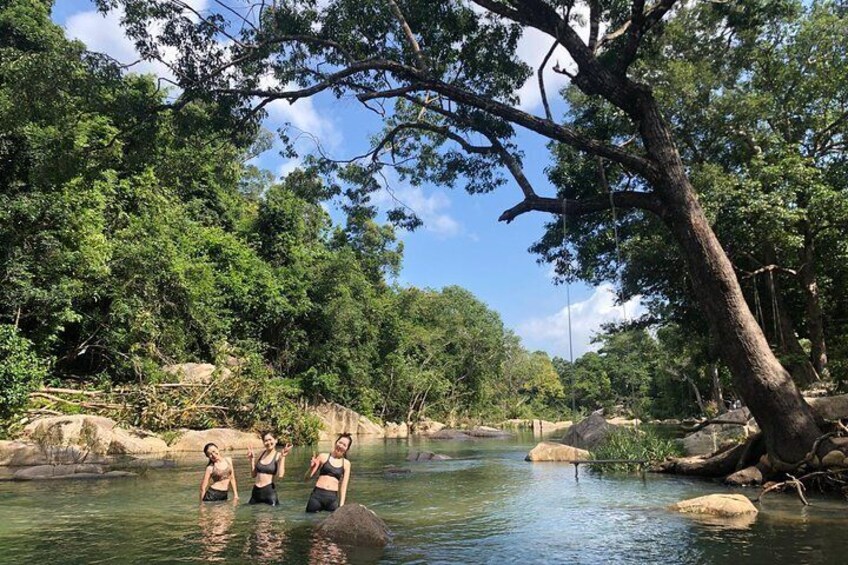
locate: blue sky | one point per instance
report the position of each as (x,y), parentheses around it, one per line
(461,243)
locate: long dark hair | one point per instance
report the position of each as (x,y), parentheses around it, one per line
(206,452)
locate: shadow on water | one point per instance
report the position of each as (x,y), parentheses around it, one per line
(486,505)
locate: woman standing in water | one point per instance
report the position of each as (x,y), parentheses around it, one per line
(218,477)
(265,468)
(331,488)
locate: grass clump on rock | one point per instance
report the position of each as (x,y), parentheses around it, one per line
(633,444)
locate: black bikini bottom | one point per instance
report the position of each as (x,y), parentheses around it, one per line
(322,499)
(264,495)
(215,495)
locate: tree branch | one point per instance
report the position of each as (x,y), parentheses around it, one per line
(420,62)
(541,74)
(584,206)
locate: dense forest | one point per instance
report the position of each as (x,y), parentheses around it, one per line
(136,233)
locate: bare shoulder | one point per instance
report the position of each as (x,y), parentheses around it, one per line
(347,464)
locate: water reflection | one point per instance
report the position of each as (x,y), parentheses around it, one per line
(216,522)
(325,551)
(267,540)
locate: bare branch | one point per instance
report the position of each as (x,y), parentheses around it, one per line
(585,206)
(541,73)
(420,62)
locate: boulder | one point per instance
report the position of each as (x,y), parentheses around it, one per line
(587,433)
(354,524)
(711,438)
(487,432)
(394,472)
(225,438)
(392,430)
(426,456)
(745,477)
(336,419)
(621,421)
(195,373)
(722,505)
(834,458)
(549,451)
(56,471)
(427,426)
(830,407)
(94,434)
(450,433)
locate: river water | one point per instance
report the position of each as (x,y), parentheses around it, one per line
(486,506)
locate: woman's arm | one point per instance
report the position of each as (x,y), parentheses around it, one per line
(252,459)
(233,478)
(281,466)
(317,461)
(343,486)
(204,484)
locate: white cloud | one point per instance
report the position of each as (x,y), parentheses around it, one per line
(532,49)
(289,166)
(550,333)
(431,208)
(311,125)
(103,34)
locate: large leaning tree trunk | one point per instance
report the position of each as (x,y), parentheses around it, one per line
(450,68)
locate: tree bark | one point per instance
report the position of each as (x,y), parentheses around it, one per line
(768,390)
(815,326)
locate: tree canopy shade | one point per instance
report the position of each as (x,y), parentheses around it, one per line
(444,74)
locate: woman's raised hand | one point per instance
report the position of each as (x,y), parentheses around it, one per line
(315,461)
(287,449)
(250,454)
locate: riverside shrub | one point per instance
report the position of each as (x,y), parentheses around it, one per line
(632,443)
(21,372)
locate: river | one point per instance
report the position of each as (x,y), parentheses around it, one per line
(485,506)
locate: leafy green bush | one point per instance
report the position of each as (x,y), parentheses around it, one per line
(21,371)
(631,443)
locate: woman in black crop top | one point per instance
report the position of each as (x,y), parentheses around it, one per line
(269,465)
(333,475)
(219,476)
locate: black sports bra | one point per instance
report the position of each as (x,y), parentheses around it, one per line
(266,468)
(329,469)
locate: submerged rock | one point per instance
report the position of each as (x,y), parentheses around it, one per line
(51,472)
(722,505)
(418,456)
(450,433)
(549,451)
(354,524)
(487,432)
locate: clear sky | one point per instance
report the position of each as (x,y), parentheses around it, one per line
(461,243)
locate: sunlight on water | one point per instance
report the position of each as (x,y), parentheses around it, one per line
(486,506)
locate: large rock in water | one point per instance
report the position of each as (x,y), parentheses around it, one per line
(354,524)
(745,477)
(94,434)
(336,419)
(711,438)
(587,433)
(417,456)
(396,431)
(723,505)
(224,438)
(549,451)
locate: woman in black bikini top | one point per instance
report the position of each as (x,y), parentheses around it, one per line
(269,465)
(218,478)
(333,475)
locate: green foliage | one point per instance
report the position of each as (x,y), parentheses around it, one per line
(634,444)
(21,372)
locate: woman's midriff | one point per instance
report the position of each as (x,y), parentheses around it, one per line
(221,485)
(263,479)
(327,483)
